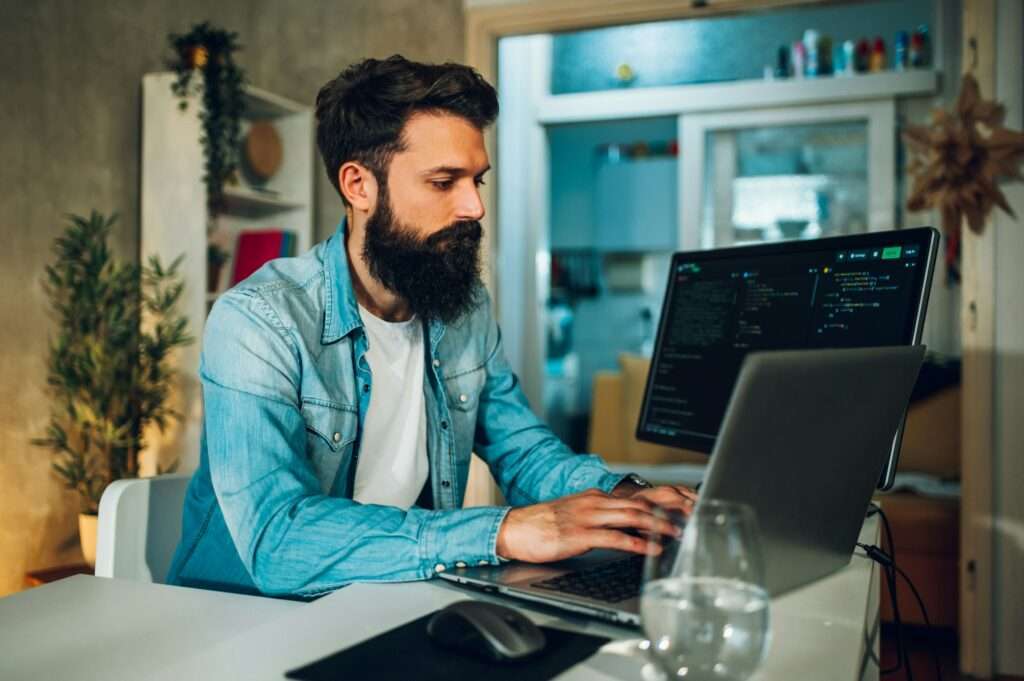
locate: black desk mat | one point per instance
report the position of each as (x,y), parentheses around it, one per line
(407,654)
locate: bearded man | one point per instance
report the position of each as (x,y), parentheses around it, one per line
(345,390)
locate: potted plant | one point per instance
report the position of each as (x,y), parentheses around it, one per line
(108,368)
(210,51)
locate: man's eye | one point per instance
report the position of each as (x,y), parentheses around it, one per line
(442,184)
(479,181)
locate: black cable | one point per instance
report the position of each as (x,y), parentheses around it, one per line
(901,646)
(892,570)
(885,562)
(924,613)
(885,524)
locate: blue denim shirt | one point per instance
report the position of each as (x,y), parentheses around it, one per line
(286,386)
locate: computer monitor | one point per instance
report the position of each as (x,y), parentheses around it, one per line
(851,291)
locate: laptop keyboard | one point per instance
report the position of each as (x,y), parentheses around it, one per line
(611,582)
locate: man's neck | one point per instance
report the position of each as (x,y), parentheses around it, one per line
(380,301)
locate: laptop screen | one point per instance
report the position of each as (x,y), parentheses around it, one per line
(855,291)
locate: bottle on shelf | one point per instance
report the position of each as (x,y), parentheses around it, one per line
(900,52)
(877,62)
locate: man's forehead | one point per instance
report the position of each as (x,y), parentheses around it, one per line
(443,142)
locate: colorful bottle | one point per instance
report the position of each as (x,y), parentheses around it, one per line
(799,57)
(782,62)
(824,56)
(849,57)
(900,52)
(812,67)
(877,60)
(920,48)
(863,56)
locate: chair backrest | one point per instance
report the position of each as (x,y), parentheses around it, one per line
(139,527)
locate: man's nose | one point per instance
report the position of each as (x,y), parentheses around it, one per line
(470,205)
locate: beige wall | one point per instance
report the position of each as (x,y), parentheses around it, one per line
(69,142)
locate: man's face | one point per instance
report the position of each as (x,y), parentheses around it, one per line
(423,238)
(434,182)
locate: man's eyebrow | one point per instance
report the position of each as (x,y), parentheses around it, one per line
(453,170)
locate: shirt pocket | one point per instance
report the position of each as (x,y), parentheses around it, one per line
(463,390)
(330,434)
(463,395)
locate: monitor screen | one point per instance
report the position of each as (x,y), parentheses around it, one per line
(854,291)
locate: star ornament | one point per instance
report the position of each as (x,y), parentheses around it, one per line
(957,162)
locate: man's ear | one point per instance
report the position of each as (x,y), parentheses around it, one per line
(358,185)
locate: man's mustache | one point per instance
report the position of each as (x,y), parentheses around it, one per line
(464,230)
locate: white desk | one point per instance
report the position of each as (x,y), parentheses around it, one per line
(87,628)
(92,628)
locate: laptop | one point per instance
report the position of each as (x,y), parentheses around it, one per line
(847,292)
(803,441)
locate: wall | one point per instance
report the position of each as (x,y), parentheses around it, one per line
(1008,459)
(70,112)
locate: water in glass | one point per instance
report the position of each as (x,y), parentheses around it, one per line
(704,607)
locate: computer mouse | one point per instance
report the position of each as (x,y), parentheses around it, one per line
(486,630)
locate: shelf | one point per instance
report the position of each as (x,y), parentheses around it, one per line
(174,218)
(253,203)
(260,104)
(745,94)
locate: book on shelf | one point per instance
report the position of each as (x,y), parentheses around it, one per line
(257,247)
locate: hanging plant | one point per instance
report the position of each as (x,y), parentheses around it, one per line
(957,162)
(210,50)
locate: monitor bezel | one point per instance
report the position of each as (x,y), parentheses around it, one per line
(925,237)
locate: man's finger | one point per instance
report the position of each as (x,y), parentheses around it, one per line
(666,496)
(610,503)
(632,519)
(614,539)
(686,492)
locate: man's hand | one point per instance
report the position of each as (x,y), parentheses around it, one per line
(573,525)
(675,497)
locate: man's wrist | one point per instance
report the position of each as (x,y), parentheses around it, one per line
(501,548)
(630,485)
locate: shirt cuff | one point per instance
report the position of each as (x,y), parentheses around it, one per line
(593,474)
(462,538)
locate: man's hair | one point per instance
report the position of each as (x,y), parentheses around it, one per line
(361,114)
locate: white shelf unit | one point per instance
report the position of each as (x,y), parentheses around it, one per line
(174,220)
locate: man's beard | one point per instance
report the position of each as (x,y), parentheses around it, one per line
(439,276)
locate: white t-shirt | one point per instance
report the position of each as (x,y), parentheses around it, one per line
(393,464)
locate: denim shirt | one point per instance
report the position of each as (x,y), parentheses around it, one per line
(286,387)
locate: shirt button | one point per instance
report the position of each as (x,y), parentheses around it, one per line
(337,437)
(439,567)
(463,398)
(437,363)
(444,425)
(460,564)
(445,483)
(366,387)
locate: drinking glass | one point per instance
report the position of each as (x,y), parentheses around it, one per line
(704,608)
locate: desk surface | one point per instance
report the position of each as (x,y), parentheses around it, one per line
(95,628)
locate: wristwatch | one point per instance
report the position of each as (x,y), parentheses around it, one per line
(638,481)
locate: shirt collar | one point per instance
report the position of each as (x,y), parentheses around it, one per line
(341,315)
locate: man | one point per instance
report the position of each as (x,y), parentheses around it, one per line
(345,390)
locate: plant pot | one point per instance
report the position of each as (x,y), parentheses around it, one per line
(87,536)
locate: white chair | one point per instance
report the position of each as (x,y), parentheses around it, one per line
(139,527)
